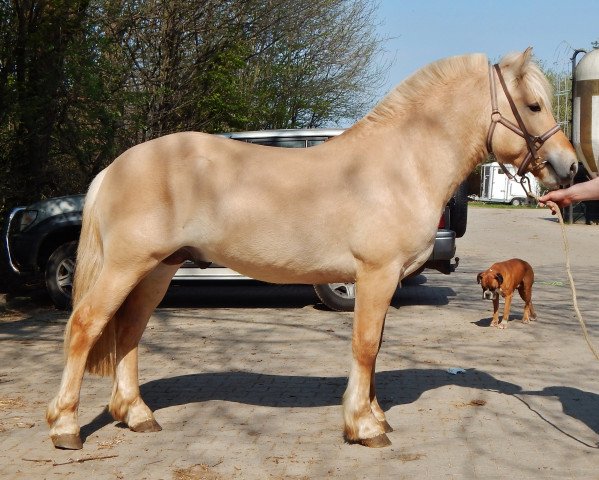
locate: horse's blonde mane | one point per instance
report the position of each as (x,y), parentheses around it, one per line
(412,90)
(445,71)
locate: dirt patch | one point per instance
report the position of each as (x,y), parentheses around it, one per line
(411,457)
(11,403)
(197,472)
(113,442)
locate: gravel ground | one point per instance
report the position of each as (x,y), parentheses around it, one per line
(246,381)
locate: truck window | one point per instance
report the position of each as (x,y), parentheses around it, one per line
(282,142)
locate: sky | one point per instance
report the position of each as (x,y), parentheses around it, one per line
(422,31)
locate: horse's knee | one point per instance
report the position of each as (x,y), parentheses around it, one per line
(365,351)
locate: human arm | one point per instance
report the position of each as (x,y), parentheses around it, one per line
(576,193)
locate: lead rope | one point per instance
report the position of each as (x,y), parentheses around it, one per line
(525,182)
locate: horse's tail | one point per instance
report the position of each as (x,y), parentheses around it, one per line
(102,357)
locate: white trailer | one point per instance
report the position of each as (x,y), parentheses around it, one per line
(496,186)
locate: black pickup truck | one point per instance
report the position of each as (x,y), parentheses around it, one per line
(40,240)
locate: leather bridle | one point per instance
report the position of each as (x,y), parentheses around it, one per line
(533,142)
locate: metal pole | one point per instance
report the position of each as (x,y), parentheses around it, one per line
(570,211)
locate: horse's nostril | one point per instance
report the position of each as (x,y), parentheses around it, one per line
(573,169)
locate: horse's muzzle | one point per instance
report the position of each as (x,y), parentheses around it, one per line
(563,168)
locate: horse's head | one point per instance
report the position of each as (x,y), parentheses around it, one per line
(521,102)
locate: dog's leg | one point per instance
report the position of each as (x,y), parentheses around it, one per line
(529,311)
(495,320)
(506,311)
(533,314)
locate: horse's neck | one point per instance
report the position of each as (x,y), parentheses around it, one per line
(437,143)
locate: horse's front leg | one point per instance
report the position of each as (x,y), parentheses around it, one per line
(364,419)
(377,411)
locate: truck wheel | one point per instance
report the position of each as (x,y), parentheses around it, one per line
(458,210)
(60,270)
(340,297)
(516,202)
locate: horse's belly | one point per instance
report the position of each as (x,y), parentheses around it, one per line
(284,274)
(281,261)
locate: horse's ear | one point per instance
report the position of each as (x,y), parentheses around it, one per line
(525,58)
(517,62)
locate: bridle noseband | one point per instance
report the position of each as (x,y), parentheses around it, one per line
(533,142)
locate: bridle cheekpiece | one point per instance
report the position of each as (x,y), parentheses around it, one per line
(533,142)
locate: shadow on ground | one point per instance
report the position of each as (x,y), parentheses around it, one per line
(254,294)
(395,387)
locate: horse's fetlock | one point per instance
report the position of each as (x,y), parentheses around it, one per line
(359,420)
(363,427)
(118,407)
(129,411)
(118,411)
(51,413)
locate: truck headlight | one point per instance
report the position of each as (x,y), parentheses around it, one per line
(27,218)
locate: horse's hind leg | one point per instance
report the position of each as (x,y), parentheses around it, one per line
(87,322)
(364,419)
(126,404)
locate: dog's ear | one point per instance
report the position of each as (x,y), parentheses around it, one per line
(499,278)
(479,277)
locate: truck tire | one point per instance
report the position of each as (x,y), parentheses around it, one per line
(458,210)
(60,271)
(340,297)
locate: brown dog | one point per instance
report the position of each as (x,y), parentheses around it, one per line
(504,278)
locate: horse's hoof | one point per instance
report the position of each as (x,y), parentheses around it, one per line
(388,428)
(147,427)
(67,441)
(379,441)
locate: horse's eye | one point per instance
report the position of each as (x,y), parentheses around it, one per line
(535,107)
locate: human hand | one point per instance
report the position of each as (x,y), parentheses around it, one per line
(555,200)
(552,205)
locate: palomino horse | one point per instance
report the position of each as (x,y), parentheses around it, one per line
(361,207)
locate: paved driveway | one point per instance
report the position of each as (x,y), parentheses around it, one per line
(247,382)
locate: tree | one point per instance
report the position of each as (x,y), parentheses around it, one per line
(320,70)
(253,64)
(83,80)
(32,77)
